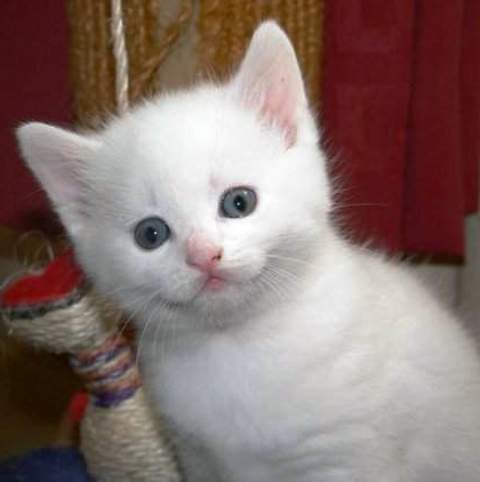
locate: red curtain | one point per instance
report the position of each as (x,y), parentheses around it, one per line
(401,117)
(34,86)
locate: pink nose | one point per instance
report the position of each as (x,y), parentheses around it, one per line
(202,253)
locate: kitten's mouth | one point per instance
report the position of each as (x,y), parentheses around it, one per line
(213,283)
(210,284)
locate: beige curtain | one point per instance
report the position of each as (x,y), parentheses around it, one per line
(171,42)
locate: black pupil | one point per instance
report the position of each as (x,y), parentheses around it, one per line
(151,234)
(240,203)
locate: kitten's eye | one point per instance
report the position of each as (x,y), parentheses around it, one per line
(238,202)
(151,233)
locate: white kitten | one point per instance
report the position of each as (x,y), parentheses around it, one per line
(277,351)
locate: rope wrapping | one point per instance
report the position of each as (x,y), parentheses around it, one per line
(120,55)
(121,437)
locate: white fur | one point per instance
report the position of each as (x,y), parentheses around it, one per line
(318,361)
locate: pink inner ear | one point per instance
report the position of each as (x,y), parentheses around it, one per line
(279,108)
(269,80)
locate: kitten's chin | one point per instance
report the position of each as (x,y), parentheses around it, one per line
(216,293)
(228,302)
(217,299)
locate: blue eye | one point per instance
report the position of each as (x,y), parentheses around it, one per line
(238,202)
(151,233)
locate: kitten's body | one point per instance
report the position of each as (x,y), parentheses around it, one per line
(315,360)
(362,377)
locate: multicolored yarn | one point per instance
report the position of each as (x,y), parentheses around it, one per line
(109,371)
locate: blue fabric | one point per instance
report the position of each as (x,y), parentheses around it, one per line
(46,465)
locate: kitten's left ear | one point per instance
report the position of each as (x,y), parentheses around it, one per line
(269,80)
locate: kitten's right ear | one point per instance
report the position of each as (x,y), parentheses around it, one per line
(269,80)
(58,158)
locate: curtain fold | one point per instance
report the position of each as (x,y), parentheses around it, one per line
(401,117)
(34,84)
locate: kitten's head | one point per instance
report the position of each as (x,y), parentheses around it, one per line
(205,201)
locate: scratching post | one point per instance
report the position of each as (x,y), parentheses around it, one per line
(56,310)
